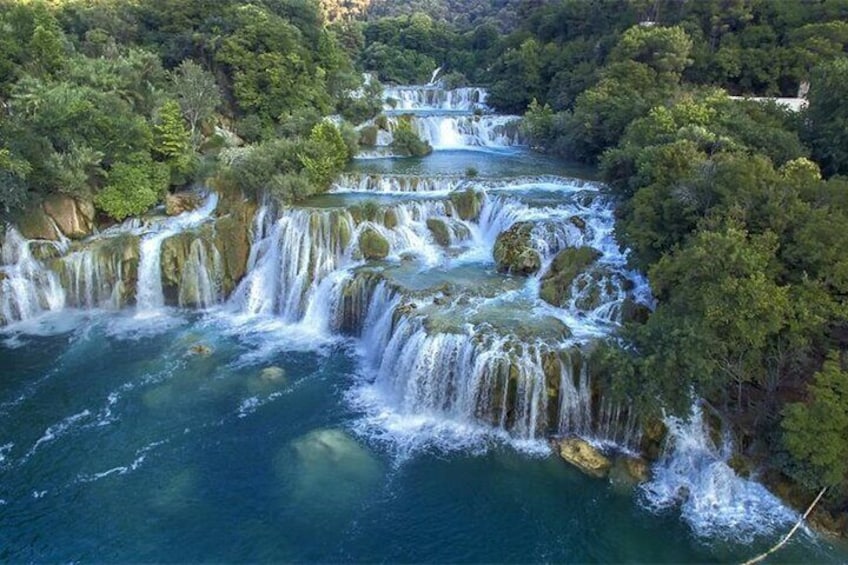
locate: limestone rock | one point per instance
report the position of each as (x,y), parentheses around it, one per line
(514,253)
(578,222)
(373,245)
(467,204)
(630,471)
(566,266)
(582,455)
(390,219)
(200,349)
(440,230)
(36,224)
(180,202)
(75,218)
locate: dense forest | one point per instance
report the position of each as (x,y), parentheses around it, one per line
(736,210)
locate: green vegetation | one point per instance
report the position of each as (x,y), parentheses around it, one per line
(407,143)
(98,98)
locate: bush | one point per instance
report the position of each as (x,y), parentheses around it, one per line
(406,142)
(132,188)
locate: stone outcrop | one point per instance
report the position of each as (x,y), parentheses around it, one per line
(181,202)
(373,245)
(440,231)
(74,217)
(566,266)
(585,457)
(467,204)
(514,252)
(36,224)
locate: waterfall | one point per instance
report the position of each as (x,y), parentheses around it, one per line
(445,132)
(27,288)
(693,473)
(201,277)
(431,97)
(102,274)
(149,297)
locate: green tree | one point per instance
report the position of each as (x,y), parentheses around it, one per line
(815,432)
(172,141)
(132,187)
(827,115)
(198,95)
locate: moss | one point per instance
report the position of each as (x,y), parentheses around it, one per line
(566,266)
(514,253)
(373,245)
(440,231)
(467,204)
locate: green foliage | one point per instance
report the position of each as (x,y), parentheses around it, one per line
(827,116)
(406,143)
(325,155)
(132,187)
(198,95)
(172,142)
(664,49)
(815,432)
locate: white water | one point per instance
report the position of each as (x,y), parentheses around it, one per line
(27,288)
(694,474)
(149,298)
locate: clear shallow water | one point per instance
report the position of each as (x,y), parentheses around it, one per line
(120,444)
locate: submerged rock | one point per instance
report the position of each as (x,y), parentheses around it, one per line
(373,245)
(273,374)
(628,471)
(514,252)
(585,457)
(567,266)
(200,349)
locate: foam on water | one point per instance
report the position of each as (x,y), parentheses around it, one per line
(694,474)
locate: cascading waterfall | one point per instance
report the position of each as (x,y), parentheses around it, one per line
(467,99)
(693,473)
(200,280)
(27,288)
(150,297)
(444,132)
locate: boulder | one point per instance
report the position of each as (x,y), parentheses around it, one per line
(180,202)
(200,350)
(566,266)
(36,224)
(585,457)
(440,230)
(514,252)
(373,245)
(390,219)
(628,471)
(75,218)
(467,204)
(578,222)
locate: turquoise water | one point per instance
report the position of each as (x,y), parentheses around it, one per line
(189,438)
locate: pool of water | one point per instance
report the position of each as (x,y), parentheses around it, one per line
(182,437)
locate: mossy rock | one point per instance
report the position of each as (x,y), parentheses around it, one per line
(368,136)
(373,245)
(34,223)
(440,230)
(578,222)
(566,266)
(390,219)
(514,253)
(467,204)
